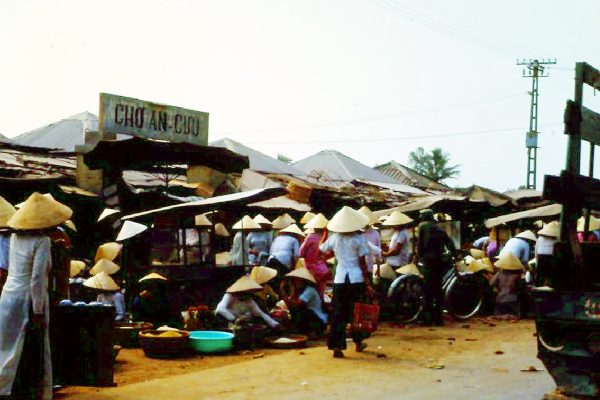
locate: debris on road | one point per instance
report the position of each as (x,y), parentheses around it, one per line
(531,368)
(435,366)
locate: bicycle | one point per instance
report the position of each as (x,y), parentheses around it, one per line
(464,294)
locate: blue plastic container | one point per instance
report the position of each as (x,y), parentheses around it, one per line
(211,341)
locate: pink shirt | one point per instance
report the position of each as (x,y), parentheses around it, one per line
(310,251)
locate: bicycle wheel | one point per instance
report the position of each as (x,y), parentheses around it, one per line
(407,296)
(464,296)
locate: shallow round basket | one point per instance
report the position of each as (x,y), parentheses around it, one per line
(156,346)
(211,341)
(298,341)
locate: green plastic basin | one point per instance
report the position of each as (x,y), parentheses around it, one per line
(211,341)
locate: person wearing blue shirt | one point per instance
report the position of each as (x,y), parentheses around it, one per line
(519,246)
(305,304)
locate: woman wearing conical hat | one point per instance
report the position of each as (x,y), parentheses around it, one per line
(313,258)
(398,252)
(285,249)
(373,237)
(351,280)
(593,227)
(259,242)
(237,304)
(109,293)
(240,249)
(6,211)
(520,246)
(508,281)
(24,303)
(305,304)
(267,297)
(544,248)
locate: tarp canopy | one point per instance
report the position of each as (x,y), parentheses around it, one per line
(139,154)
(398,187)
(335,166)
(534,213)
(480,194)
(234,200)
(258,161)
(421,204)
(283,203)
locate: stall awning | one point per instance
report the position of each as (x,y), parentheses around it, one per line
(283,203)
(535,213)
(226,201)
(140,154)
(421,204)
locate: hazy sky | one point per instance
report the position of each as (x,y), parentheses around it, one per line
(373,79)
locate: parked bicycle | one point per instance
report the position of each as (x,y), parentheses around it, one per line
(464,293)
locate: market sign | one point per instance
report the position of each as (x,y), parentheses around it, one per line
(128,116)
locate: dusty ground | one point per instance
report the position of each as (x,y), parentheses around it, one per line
(479,360)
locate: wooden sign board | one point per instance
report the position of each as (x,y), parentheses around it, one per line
(129,116)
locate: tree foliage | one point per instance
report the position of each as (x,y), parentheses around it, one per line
(434,164)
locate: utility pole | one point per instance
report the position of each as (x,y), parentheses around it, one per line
(535,69)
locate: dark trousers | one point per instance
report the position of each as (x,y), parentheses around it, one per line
(307,321)
(30,372)
(281,271)
(345,295)
(434,295)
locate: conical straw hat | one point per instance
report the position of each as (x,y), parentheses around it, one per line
(550,229)
(282,222)
(262,275)
(6,211)
(409,269)
(39,212)
(594,224)
(509,262)
(288,217)
(109,251)
(76,267)
(478,265)
(301,273)
(69,224)
(46,195)
(476,253)
(261,220)
(307,217)
(246,224)
(347,220)
(129,230)
(396,219)
(387,272)
(244,284)
(293,229)
(101,282)
(318,222)
(202,220)
(364,210)
(152,276)
(220,230)
(527,235)
(308,231)
(106,212)
(104,265)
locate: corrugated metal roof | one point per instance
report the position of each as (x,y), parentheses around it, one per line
(64,134)
(258,161)
(4,139)
(335,166)
(409,176)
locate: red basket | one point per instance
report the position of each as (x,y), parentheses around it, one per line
(366,317)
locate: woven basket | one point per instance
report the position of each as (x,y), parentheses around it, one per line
(298,192)
(164,347)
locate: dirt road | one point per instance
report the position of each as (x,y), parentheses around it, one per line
(480,360)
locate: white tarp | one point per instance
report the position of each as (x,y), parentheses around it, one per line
(535,213)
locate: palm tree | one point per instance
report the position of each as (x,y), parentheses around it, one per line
(433,165)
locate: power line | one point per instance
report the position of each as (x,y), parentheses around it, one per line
(443,27)
(396,138)
(375,118)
